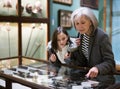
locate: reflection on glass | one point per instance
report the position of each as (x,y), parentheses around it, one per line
(34,40)
(8,63)
(8,7)
(35,8)
(8,39)
(43,76)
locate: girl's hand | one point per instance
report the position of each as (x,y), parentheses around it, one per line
(67,55)
(52,57)
(93,72)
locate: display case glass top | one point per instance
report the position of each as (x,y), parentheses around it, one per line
(47,76)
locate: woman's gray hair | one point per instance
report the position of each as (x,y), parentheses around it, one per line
(84,11)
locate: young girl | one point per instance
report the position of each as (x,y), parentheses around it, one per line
(59,48)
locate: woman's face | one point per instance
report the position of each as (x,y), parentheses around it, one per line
(62,40)
(82,25)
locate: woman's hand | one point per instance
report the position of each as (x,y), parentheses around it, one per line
(93,72)
(77,41)
(52,57)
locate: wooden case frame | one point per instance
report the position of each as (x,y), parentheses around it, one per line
(90,3)
(66,2)
(64,18)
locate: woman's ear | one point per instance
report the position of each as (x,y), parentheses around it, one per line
(91,23)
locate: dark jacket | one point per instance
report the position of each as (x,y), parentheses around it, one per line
(100,55)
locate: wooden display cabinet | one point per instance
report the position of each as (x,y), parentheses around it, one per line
(24,28)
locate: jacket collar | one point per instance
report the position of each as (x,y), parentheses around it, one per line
(91,42)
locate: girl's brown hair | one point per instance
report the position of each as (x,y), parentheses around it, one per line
(54,37)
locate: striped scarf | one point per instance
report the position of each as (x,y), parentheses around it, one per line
(85,45)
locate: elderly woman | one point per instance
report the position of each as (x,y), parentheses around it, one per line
(95,51)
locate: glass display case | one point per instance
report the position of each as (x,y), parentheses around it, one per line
(35,8)
(8,39)
(8,7)
(44,76)
(34,43)
(28,8)
(24,28)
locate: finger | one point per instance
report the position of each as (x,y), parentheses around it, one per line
(93,74)
(88,75)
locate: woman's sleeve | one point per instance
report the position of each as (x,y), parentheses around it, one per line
(108,64)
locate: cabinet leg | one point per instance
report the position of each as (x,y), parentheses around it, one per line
(8,84)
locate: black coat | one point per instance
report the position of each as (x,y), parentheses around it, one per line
(100,55)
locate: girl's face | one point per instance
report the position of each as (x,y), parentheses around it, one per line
(82,25)
(62,40)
